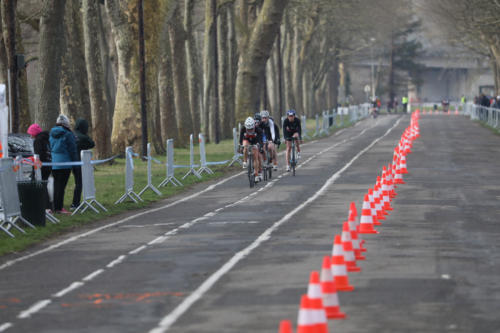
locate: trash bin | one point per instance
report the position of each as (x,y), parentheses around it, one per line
(33,198)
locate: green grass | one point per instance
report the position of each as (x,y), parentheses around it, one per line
(109,183)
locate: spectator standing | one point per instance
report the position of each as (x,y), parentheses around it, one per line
(41,147)
(83,142)
(63,148)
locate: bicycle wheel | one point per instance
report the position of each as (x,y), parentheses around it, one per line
(293,162)
(265,166)
(251,176)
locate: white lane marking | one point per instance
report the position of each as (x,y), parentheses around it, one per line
(146,225)
(157,240)
(445,276)
(34,309)
(5,327)
(91,276)
(116,261)
(139,249)
(71,287)
(232,222)
(93,231)
(172,317)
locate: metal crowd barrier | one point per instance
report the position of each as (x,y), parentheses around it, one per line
(203,158)
(192,166)
(487,115)
(9,196)
(129,178)
(170,167)
(236,155)
(150,185)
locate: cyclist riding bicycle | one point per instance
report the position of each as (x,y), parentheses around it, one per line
(272,133)
(446,104)
(291,128)
(251,135)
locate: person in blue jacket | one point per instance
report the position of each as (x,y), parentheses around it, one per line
(63,149)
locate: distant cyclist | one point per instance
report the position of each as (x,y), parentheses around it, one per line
(251,135)
(446,104)
(272,133)
(291,128)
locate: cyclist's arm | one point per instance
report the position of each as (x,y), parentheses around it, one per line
(242,133)
(299,128)
(271,128)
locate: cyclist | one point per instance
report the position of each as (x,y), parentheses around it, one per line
(251,135)
(291,128)
(446,104)
(272,133)
(258,122)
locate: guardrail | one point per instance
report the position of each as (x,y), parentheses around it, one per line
(487,115)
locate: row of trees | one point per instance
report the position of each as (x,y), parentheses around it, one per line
(471,24)
(208,63)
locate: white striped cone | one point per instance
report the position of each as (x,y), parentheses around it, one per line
(348,249)
(403,164)
(385,195)
(330,297)
(315,296)
(373,208)
(339,266)
(366,222)
(306,322)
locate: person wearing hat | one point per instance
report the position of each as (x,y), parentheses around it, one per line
(41,147)
(63,148)
(83,142)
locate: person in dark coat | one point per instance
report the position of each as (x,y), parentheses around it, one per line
(63,149)
(41,147)
(83,142)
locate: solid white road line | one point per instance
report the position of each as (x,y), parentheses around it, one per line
(172,317)
(91,276)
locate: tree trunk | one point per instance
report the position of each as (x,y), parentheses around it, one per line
(23,97)
(52,46)
(334,83)
(181,90)
(257,51)
(495,61)
(126,118)
(74,94)
(9,37)
(233,61)
(210,104)
(193,67)
(96,78)
(168,121)
(225,111)
(287,65)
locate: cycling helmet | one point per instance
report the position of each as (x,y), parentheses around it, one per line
(257,117)
(290,113)
(249,123)
(264,114)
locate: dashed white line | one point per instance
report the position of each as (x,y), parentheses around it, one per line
(92,275)
(139,249)
(5,327)
(116,261)
(157,240)
(71,287)
(34,309)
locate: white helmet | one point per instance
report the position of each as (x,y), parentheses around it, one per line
(264,114)
(249,123)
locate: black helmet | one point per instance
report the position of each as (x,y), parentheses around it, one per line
(257,117)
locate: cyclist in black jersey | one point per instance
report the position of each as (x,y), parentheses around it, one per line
(272,133)
(291,128)
(251,135)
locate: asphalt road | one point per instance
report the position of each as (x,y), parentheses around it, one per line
(227,258)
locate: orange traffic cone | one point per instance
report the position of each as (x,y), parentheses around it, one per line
(340,250)
(403,164)
(339,268)
(315,297)
(373,208)
(349,254)
(305,321)
(353,212)
(285,326)
(330,297)
(353,225)
(366,222)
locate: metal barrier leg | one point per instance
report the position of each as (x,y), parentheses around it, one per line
(6,230)
(51,218)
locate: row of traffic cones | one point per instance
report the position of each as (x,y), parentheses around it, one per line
(321,301)
(440,112)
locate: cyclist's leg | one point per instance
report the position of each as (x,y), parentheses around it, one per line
(297,141)
(245,150)
(288,150)
(256,159)
(271,149)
